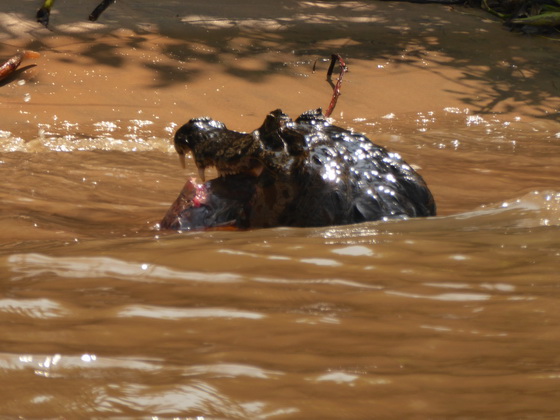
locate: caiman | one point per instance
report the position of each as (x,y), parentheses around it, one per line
(301,173)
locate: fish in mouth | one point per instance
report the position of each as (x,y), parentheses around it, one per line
(300,173)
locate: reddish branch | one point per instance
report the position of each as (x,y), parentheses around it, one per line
(336,87)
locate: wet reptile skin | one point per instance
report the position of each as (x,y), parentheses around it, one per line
(306,172)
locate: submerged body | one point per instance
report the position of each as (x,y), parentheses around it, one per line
(303,173)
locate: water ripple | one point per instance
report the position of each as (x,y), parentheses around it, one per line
(33,308)
(30,265)
(452,297)
(230,370)
(151,311)
(188,388)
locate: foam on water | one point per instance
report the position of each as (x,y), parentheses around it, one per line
(536,208)
(64,136)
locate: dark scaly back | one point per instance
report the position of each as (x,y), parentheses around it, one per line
(379,182)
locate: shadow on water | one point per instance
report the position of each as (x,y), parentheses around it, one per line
(208,31)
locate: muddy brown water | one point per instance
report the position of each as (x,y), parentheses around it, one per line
(104,316)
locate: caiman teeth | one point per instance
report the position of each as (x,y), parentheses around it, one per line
(255,170)
(201,174)
(182,160)
(229,171)
(225,172)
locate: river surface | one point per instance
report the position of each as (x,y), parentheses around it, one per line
(103,315)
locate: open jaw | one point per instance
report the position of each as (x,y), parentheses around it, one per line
(250,167)
(226,200)
(220,203)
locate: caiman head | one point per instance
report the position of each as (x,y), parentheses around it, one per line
(291,173)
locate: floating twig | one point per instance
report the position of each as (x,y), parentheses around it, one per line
(13,63)
(336,87)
